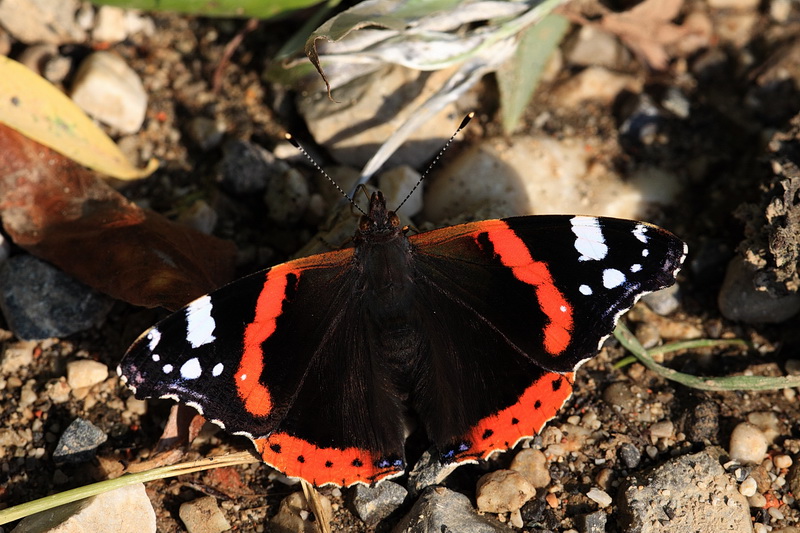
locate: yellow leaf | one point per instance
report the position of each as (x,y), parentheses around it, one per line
(34,107)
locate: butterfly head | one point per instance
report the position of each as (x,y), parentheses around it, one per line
(379,221)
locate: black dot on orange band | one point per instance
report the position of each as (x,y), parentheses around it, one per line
(514,421)
(275,448)
(328,464)
(357,463)
(486,434)
(301,459)
(537,404)
(557,383)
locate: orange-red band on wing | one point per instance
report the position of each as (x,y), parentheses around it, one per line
(514,254)
(256,397)
(322,466)
(539,403)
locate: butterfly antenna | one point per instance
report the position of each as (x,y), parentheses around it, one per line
(438,156)
(294,142)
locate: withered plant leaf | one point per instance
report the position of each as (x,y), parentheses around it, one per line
(62,213)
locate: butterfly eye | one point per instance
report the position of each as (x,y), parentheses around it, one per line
(364,224)
(394,220)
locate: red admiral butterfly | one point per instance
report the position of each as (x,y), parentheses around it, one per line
(476,329)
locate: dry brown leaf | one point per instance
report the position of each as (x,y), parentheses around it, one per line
(647,29)
(62,213)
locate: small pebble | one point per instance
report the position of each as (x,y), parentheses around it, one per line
(293,513)
(59,391)
(287,197)
(200,216)
(767,422)
(16,355)
(663,302)
(79,442)
(782,461)
(757,501)
(110,91)
(630,455)
(662,430)
(600,497)
(532,464)
(203,515)
(503,491)
(748,487)
(110,25)
(552,500)
(594,522)
(206,132)
(85,373)
(776,513)
(395,184)
(373,504)
(748,444)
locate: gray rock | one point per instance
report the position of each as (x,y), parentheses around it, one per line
(110,91)
(247,168)
(593,522)
(665,301)
(79,442)
(595,47)
(287,197)
(428,471)
(124,510)
(688,493)
(39,301)
(375,111)
(631,455)
(440,509)
(739,300)
(373,504)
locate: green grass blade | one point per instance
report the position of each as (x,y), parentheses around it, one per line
(62,498)
(728,383)
(215,8)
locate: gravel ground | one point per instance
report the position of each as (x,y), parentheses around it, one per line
(718,121)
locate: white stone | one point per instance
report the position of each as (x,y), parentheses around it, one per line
(124,510)
(203,515)
(85,373)
(599,496)
(748,444)
(110,91)
(748,487)
(110,25)
(503,491)
(395,184)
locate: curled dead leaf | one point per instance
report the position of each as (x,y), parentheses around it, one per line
(64,214)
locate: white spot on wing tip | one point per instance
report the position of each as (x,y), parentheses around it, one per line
(217,370)
(612,278)
(636,267)
(191,369)
(153,337)
(585,290)
(640,232)
(200,324)
(589,240)
(167,368)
